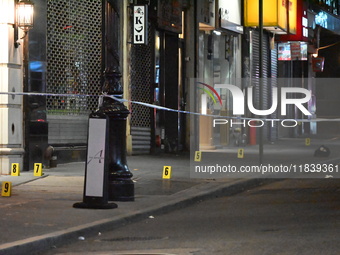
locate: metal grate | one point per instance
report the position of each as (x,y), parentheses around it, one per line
(141,81)
(274,70)
(74,46)
(265,83)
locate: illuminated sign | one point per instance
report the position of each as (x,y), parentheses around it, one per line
(304,27)
(230,15)
(292,51)
(300,23)
(321,19)
(328,21)
(140,24)
(274,15)
(292,8)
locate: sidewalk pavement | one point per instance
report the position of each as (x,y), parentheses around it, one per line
(39,213)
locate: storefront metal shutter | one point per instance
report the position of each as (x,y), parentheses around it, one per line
(255,73)
(74,48)
(140,85)
(273,134)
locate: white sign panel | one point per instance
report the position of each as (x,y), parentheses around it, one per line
(140,24)
(230,13)
(95,158)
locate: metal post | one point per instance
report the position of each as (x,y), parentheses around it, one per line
(193,100)
(109,179)
(121,187)
(25,103)
(261,77)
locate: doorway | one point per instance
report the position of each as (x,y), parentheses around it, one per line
(169,92)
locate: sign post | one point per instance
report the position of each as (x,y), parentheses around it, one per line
(140,24)
(96,171)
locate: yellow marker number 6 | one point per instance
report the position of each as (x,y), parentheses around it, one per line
(166,172)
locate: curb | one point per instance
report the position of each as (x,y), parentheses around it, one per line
(178,200)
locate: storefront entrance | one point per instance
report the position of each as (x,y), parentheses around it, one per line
(219,63)
(169,92)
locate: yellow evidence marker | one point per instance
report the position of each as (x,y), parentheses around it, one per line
(6,189)
(198,156)
(307,141)
(15,169)
(166,172)
(38,167)
(240,153)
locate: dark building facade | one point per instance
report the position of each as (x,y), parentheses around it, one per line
(74,42)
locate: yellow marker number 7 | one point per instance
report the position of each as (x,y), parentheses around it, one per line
(38,169)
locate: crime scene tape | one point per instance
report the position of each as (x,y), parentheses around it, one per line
(117,98)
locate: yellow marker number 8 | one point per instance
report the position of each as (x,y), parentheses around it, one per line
(15,171)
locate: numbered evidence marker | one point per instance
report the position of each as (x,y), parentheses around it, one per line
(198,156)
(240,153)
(38,169)
(166,172)
(6,189)
(15,169)
(307,141)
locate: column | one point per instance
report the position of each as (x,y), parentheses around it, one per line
(11,112)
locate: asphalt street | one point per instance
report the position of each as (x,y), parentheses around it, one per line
(39,214)
(293,216)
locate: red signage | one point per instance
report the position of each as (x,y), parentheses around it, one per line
(301,26)
(318,64)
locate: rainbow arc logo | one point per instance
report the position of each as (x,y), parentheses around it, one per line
(211,92)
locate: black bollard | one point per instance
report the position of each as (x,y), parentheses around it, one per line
(121,187)
(117,183)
